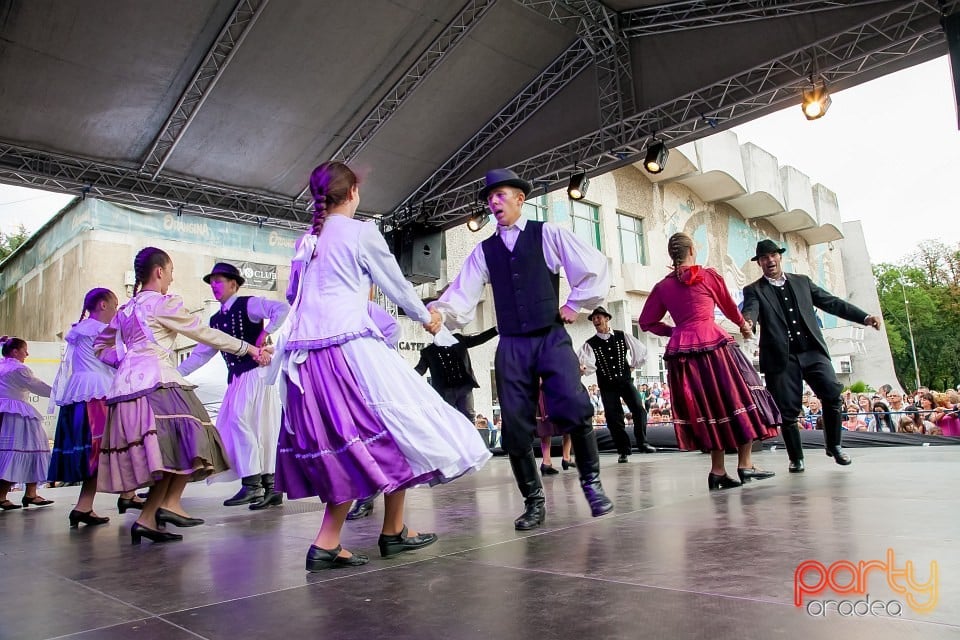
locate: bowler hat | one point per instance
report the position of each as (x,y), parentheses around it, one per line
(766,246)
(504,177)
(227,270)
(599,311)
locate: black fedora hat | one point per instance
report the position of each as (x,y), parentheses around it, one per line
(227,270)
(503,177)
(766,246)
(599,311)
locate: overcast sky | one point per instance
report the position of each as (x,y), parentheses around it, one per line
(889,149)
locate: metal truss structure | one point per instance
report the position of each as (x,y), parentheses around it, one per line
(445,198)
(243,17)
(22,166)
(454,32)
(910,28)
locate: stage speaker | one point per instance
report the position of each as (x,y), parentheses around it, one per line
(951,25)
(419,254)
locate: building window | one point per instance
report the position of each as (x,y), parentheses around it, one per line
(632,242)
(535,209)
(586,222)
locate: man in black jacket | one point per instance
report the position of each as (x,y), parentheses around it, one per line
(451,372)
(792,348)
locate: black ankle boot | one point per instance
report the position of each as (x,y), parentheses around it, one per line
(528,480)
(250,491)
(270,497)
(588,464)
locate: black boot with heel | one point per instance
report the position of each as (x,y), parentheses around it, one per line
(528,480)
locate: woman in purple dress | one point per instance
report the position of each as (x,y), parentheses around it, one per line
(719,402)
(358,419)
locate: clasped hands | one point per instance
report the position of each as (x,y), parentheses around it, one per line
(746,329)
(262,354)
(435,323)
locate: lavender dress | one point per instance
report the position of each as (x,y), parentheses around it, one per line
(357,418)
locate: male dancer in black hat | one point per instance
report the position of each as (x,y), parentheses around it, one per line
(522,262)
(792,348)
(612,354)
(249,417)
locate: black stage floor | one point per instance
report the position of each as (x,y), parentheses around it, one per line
(673,561)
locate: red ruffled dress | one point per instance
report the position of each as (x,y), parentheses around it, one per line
(719,401)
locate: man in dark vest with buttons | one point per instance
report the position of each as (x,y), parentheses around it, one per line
(612,355)
(249,417)
(522,262)
(792,348)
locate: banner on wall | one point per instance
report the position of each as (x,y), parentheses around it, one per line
(256,274)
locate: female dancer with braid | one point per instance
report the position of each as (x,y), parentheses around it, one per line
(157,434)
(719,402)
(359,419)
(80,389)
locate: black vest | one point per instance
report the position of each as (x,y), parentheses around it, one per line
(611,356)
(526,293)
(797,332)
(238,324)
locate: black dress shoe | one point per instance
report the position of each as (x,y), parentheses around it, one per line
(139,531)
(796,466)
(646,448)
(320,559)
(164,516)
(6,505)
(623,459)
(547,469)
(86,517)
(838,455)
(717,482)
(752,473)
(360,509)
(35,501)
(567,464)
(123,504)
(392,545)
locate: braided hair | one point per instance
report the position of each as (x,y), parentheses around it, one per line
(678,248)
(93,298)
(148,259)
(10,345)
(330,185)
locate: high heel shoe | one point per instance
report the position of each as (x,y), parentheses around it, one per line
(128,503)
(6,505)
(547,469)
(177,520)
(747,474)
(568,464)
(87,518)
(319,559)
(35,501)
(716,482)
(139,531)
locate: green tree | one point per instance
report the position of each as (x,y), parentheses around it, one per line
(10,241)
(926,285)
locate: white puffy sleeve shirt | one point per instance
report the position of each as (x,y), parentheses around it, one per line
(82,376)
(17,382)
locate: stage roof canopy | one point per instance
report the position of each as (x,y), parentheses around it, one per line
(222,108)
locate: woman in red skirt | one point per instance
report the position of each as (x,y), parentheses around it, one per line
(719,402)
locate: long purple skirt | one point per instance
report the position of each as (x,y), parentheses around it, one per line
(719,401)
(364,422)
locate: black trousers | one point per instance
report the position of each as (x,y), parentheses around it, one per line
(522,364)
(786,387)
(460,398)
(611,394)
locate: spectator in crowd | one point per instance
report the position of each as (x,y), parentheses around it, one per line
(913,422)
(950,422)
(813,412)
(882,420)
(854,421)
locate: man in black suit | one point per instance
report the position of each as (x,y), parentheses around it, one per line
(792,348)
(451,372)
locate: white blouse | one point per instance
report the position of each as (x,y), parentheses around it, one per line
(17,382)
(82,376)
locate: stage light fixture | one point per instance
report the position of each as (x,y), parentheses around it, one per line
(478,220)
(816,101)
(577,188)
(656,158)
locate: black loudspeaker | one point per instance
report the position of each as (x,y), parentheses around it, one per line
(951,25)
(419,254)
